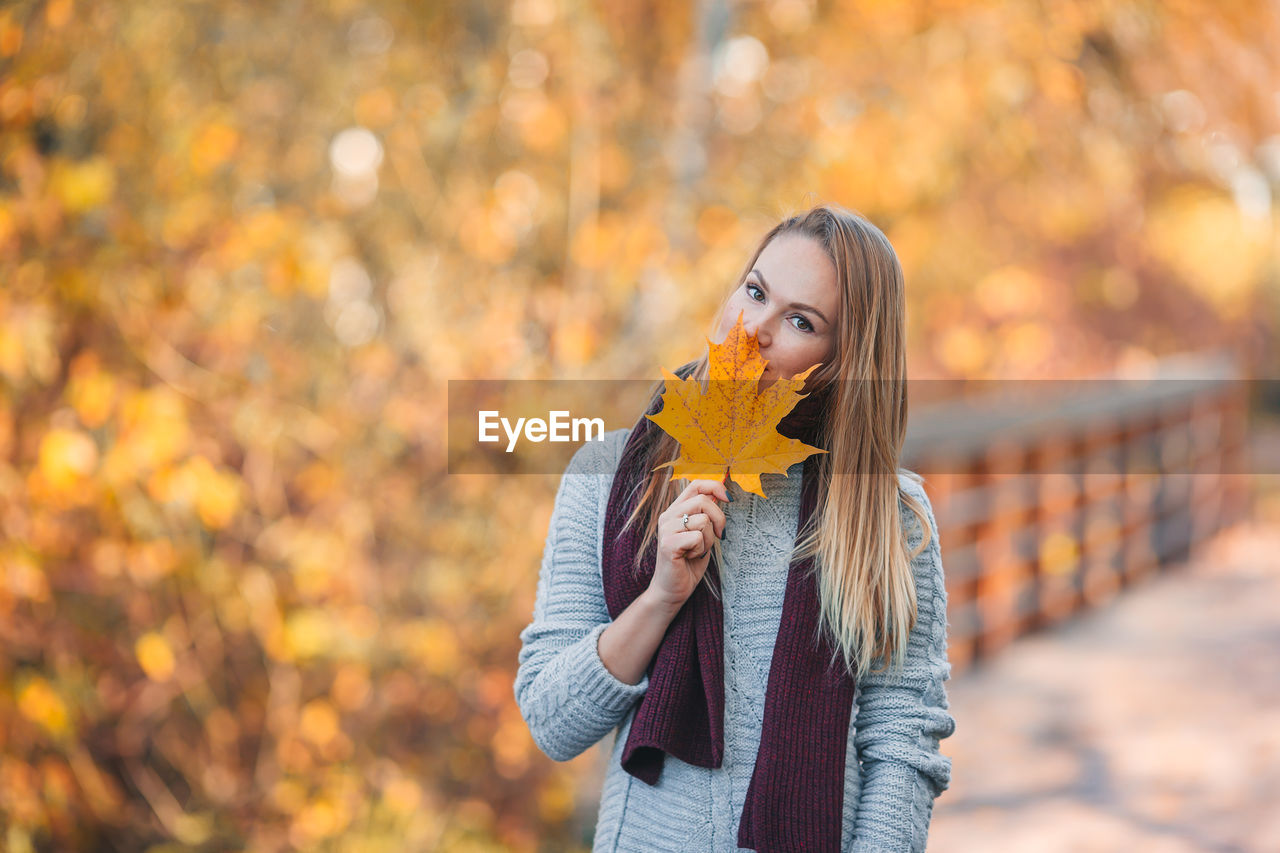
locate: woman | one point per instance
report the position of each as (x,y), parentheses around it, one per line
(728,638)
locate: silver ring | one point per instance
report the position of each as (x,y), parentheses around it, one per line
(685,520)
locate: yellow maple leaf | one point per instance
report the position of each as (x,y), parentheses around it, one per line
(731,427)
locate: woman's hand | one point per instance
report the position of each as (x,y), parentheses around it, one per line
(683,554)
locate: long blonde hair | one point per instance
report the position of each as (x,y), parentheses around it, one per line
(866,588)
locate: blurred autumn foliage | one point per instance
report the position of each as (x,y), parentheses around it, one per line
(243,246)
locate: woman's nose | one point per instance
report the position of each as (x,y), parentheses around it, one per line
(755,330)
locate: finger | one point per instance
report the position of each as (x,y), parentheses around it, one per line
(708,537)
(692,501)
(714,513)
(698,502)
(706,533)
(682,501)
(706,507)
(714,488)
(689,543)
(697,521)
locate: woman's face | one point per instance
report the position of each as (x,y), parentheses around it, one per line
(789,302)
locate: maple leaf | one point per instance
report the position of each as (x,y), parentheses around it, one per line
(731,427)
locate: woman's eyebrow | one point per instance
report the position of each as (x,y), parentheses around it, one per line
(799,305)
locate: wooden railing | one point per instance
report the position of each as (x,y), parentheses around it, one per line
(1053,501)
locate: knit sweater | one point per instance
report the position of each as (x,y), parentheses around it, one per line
(570,701)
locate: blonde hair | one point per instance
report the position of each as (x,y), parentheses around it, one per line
(866,588)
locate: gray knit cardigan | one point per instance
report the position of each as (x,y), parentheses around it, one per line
(570,701)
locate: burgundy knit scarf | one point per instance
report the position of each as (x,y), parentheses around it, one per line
(796,796)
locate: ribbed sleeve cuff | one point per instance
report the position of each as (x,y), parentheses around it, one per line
(895,809)
(600,686)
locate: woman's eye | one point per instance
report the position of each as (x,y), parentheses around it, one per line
(807,327)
